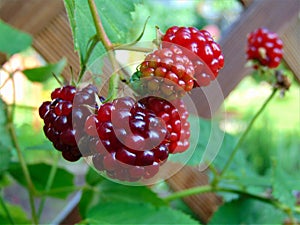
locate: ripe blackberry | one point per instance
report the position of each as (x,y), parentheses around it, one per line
(264,48)
(167,72)
(175,116)
(201,43)
(127,140)
(59,114)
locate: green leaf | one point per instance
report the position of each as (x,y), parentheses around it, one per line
(41,74)
(210,139)
(39,174)
(5,140)
(108,191)
(17,213)
(116,19)
(87,199)
(282,187)
(5,158)
(247,211)
(12,40)
(93,178)
(5,180)
(70,6)
(118,192)
(136,213)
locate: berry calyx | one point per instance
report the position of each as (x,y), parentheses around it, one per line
(208,59)
(264,48)
(167,72)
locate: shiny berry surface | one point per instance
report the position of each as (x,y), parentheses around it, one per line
(127,140)
(265,48)
(167,72)
(175,116)
(63,122)
(208,59)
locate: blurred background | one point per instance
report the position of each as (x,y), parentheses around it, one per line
(277,132)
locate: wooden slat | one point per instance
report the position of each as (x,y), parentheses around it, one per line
(55,42)
(291,40)
(275,15)
(3,58)
(30,15)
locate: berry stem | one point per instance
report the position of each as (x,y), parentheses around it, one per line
(113,87)
(101,34)
(5,209)
(210,188)
(48,185)
(31,189)
(93,44)
(67,190)
(133,48)
(14,139)
(242,138)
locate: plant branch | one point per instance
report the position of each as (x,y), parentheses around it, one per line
(133,48)
(48,185)
(210,188)
(4,82)
(5,209)
(65,190)
(14,139)
(101,34)
(242,138)
(188,192)
(88,55)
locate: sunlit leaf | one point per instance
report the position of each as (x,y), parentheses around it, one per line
(39,174)
(41,74)
(12,40)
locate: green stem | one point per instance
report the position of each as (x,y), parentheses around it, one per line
(28,107)
(88,55)
(65,190)
(133,48)
(210,188)
(101,34)
(13,135)
(113,87)
(5,209)
(188,192)
(48,186)
(242,138)
(4,82)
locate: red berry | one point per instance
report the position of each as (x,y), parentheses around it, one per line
(167,72)
(130,139)
(264,48)
(62,124)
(175,116)
(207,59)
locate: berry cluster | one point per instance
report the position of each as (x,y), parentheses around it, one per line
(207,58)
(57,116)
(264,48)
(64,122)
(129,139)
